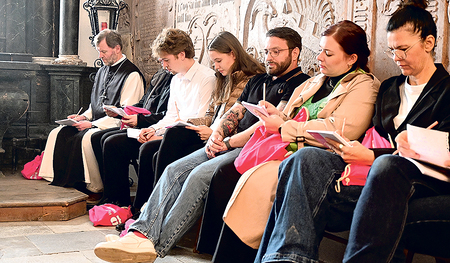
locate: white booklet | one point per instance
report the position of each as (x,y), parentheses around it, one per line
(432,146)
(116,110)
(180,124)
(253,108)
(68,122)
(321,135)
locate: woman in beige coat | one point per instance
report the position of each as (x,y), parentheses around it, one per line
(342,97)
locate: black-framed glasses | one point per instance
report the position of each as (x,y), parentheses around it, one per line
(274,52)
(399,53)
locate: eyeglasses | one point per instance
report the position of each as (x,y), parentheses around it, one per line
(399,53)
(274,52)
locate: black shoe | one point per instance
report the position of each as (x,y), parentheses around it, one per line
(120,227)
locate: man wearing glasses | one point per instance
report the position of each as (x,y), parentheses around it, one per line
(191,176)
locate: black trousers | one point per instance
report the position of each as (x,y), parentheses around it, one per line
(215,237)
(97,140)
(117,152)
(177,143)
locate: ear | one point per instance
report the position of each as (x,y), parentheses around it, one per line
(181,55)
(295,53)
(233,55)
(352,59)
(117,49)
(429,43)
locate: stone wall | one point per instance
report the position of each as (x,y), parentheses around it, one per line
(250,19)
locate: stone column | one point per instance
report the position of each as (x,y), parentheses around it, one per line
(68,33)
(43,43)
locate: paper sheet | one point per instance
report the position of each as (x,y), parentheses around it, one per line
(116,110)
(180,124)
(431,145)
(133,133)
(68,122)
(253,108)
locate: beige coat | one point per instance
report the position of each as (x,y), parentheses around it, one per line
(354,99)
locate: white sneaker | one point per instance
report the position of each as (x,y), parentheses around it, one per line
(129,248)
(111,237)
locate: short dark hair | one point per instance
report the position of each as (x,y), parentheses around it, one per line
(173,41)
(353,40)
(291,36)
(413,13)
(112,37)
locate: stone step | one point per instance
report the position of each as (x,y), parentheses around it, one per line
(36,200)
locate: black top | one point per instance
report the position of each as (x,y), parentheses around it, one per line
(276,91)
(108,85)
(156,99)
(432,105)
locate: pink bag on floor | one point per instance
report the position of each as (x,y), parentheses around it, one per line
(109,215)
(31,169)
(264,146)
(131,110)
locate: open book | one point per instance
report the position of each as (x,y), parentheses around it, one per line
(68,122)
(432,146)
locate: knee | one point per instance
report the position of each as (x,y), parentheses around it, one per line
(388,168)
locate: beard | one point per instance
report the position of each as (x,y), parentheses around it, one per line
(277,69)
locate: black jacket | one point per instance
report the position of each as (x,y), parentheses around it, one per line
(432,105)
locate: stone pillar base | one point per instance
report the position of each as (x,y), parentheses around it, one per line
(44,60)
(69,60)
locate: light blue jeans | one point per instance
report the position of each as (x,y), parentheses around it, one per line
(178,198)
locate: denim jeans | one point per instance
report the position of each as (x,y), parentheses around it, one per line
(178,198)
(383,210)
(306,204)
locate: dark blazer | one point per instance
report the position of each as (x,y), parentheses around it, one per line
(432,105)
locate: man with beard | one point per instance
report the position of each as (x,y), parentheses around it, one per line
(178,199)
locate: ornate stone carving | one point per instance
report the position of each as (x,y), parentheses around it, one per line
(309,18)
(201,31)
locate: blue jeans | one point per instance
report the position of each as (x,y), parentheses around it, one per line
(178,198)
(306,204)
(382,212)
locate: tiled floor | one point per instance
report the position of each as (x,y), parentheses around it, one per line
(70,241)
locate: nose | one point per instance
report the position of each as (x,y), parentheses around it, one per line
(320,56)
(216,66)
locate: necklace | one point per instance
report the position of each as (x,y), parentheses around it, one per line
(106,81)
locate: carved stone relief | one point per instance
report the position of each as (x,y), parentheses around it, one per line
(249,20)
(309,18)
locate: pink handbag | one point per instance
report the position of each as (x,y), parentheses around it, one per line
(355,174)
(31,169)
(109,215)
(264,146)
(131,110)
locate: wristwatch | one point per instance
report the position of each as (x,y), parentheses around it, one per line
(227,143)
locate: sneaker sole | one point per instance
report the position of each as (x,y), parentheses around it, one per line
(117,255)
